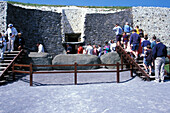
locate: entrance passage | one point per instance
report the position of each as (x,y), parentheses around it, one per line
(73,37)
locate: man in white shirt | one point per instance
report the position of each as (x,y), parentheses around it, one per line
(89,50)
(118,31)
(40,48)
(11,32)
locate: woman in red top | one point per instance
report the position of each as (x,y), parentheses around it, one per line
(80,50)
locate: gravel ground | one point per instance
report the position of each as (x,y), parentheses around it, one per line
(95,93)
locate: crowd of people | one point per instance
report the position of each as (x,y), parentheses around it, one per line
(132,40)
(137,44)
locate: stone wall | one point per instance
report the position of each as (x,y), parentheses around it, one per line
(3,15)
(38,26)
(99,27)
(153,20)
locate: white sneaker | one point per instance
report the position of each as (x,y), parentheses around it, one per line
(162,81)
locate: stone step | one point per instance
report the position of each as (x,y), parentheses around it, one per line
(4,64)
(5,57)
(10,54)
(6,52)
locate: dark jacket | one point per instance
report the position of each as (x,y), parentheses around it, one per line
(134,38)
(160,50)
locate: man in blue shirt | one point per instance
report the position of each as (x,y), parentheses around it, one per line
(135,40)
(159,54)
(127,29)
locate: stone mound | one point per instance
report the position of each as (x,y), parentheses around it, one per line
(110,58)
(72,58)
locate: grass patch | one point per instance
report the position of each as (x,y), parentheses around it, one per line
(29,4)
(167,68)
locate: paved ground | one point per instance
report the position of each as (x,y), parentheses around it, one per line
(96,93)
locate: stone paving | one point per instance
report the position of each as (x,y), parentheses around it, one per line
(95,93)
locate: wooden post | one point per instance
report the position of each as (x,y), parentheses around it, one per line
(117,72)
(75,73)
(31,77)
(13,73)
(131,70)
(121,62)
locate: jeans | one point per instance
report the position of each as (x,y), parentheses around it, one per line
(159,68)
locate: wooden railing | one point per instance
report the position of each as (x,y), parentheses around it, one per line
(130,60)
(10,65)
(75,71)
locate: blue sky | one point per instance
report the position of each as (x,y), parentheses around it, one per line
(155,3)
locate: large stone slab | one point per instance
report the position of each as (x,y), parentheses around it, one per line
(79,58)
(40,59)
(110,58)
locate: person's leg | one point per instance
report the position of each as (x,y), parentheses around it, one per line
(150,70)
(157,69)
(12,45)
(162,69)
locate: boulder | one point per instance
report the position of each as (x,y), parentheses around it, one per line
(110,58)
(40,59)
(79,58)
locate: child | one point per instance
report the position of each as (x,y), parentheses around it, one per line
(125,40)
(148,59)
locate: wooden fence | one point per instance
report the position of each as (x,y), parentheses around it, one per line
(75,71)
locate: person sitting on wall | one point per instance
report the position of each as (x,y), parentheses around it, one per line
(80,49)
(20,42)
(69,49)
(40,48)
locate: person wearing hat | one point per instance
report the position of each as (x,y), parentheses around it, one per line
(159,54)
(12,33)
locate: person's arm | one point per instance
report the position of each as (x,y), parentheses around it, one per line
(131,40)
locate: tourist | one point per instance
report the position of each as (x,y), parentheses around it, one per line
(159,54)
(2,43)
(112,46)
(5,42)
(95,51)
(89,49)
(135,40)
(20,42)
(11,32)
(125,40)
(69,49)
(127,29)
(154,42)
(145,42)
(40,48)
(80,49)
(118,31)
(106,48)
(148,59)
(99,49)
(137,29)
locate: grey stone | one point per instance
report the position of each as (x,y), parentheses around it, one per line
(79,58)
(40,59)
(110,58)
